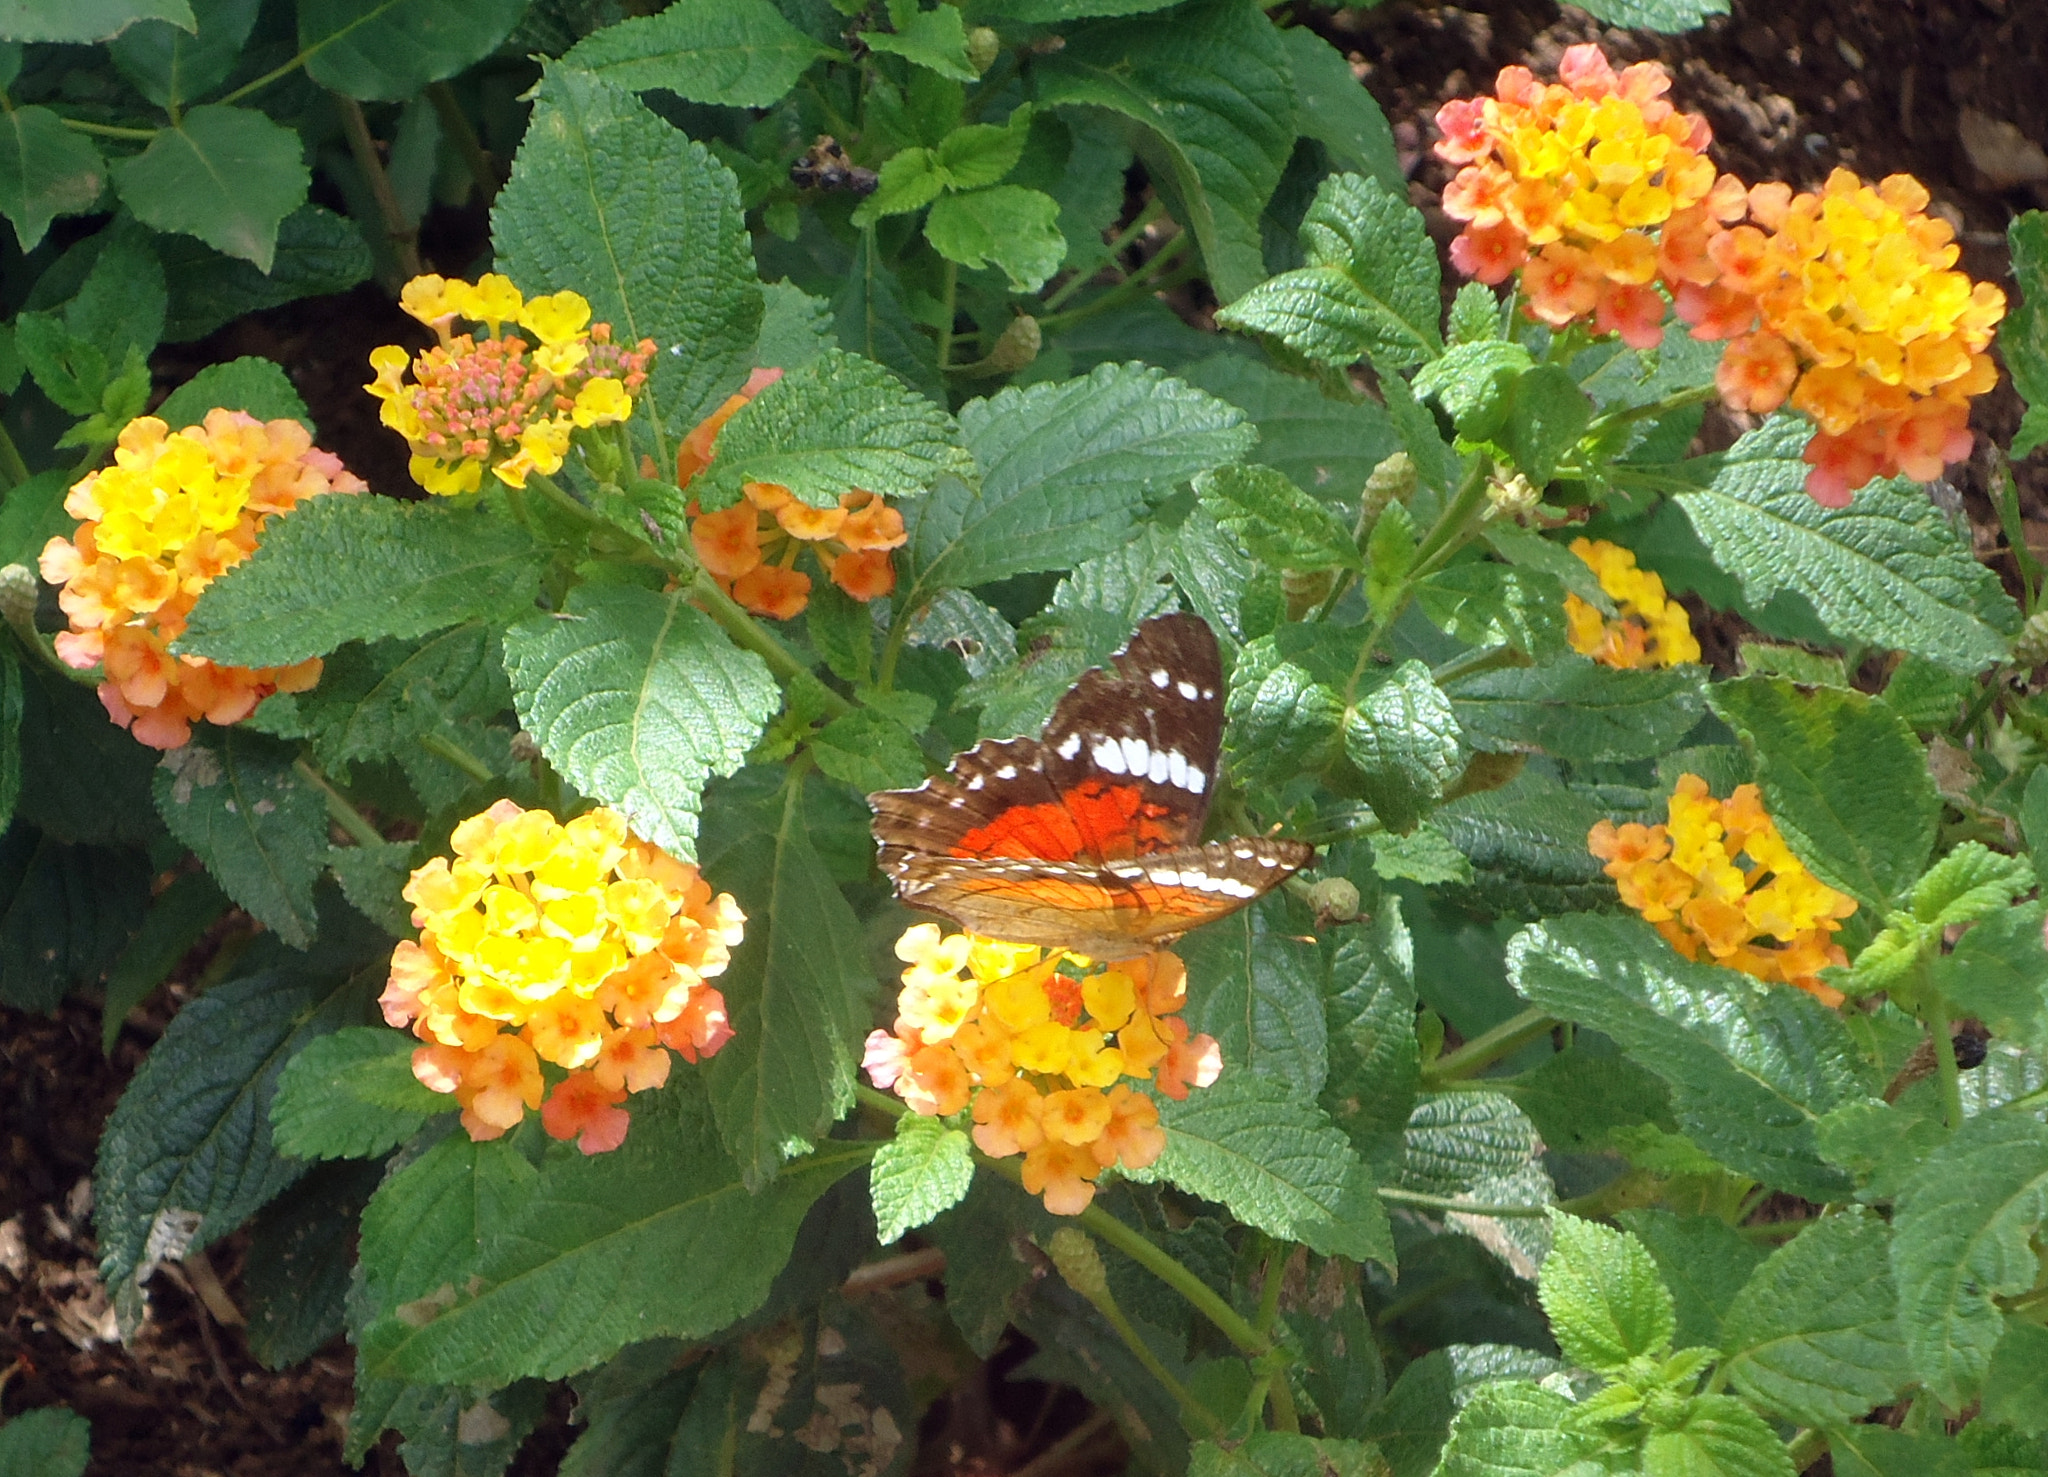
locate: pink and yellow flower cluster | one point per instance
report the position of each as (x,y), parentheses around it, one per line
(501,402)
(176,510)
(1649,628)
(1844,303)
(1039,1043)
(575,944)
(1771,919)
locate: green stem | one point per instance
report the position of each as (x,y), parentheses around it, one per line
(1139,284)
(11,464)
(1124,238)
(455,122)
(339,809)
(1269,1293)
(1805,1448)
(746,631)
(110,130)
(1446,1203)
(1198,1414)
(445,747)
(1483,1050)
(1445,539)
(1935,1012)
(1472,663)
(278,73)
(892,646)
(1698,395)
(399,231)
(948,305)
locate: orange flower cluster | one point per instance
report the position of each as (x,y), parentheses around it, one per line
(1597,175)
(1772,919)
(502,403)
(175,511)
(1847,302)
(1038,1041)
(576,944)
(751,547)
(1649,630)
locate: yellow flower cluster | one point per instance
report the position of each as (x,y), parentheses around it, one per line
(576,944)
(1039,1041)
(176,510)
(1650,629)
(500,402)
(1772,919)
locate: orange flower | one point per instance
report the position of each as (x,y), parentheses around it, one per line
(695,454)
(584,1109)
(773,591)
(1649,630)
(727,542)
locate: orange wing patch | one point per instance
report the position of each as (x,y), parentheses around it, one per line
(1096,819)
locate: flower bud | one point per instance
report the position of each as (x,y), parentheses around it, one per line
(1017,347)
(2029,648)
(1392,481)
(18,589)
(1334,898)
(1074,1253)
(1515,497)
(1305,589)
(983,47)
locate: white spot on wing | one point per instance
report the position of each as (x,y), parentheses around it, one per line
(1197,781)
(1136,756)
(1160,679)
(1177,768)
(1187,690)
(974,782)
(1166,877)
(1007,772)
(1069,746)
(1160,767)
(1109,755)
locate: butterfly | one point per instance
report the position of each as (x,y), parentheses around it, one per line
(1089,836)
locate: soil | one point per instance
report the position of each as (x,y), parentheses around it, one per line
(1793,88)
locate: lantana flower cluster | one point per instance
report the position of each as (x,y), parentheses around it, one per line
(1843,303)
(751,548)
(1039,1043)
(175,511)
(576,944)
(1649,628)
(1771,919)
(500,402)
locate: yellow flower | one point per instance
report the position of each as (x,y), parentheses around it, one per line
(602,402)
(1649,629)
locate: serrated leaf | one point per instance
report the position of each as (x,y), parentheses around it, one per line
(870,319)
(1403,739)
(1878,1451)
(259,386)
(1375,1061)
(980,154)
(1285,1454)
(611,1249)
(1656,15)
(1961,1239)
(317,253)
(1606,1303)
(171,66)
(85,20)
(295,1281)
(734,53)
(839,423)
(1814,1335)
(257,824)
(351,1095)
(935,39)
(608,200)
(1479,1147)
(1998,972)
(1844,779)
(1473,383)
(1512,1428)
(1282,721)
(1888,569)
(1211,92)
(390,50)
(1703,1260)
(178,918)
(1259,992)
(46,170)
(1005,226)
(1338,112)
(50,1442)
(1578,710)
(1369,290)
(1547,412)
(1751,1067)
(1065,471)
(226,175)
(1276,521)
(639,700)
(1970,883)
(1276,1162)
(1718,1436)
(1527,845)
(1495,605)
(1424,855)
(2016,1387)
(2023,337)
(341,568)
(798,988)
(869,751)
(1328,447)
(192,1133)
(920,1173)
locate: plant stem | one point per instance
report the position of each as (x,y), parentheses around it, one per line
(1935,1012)
(948,300)
(1483,1050)
(1139,284)
(1053,1459)
(1446,1203)
(448,108)
(402,235)
(1805,1448)
(339,809)
(1152,211)
(11,464)
(1678,400)
(747,632)
(446,748)
(1446,538)
(109,130)
(1104,1302)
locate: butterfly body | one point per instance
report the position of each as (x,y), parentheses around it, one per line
(1089,837)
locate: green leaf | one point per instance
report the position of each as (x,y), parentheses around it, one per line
(1751,1067)
(1065,471)
(1424,855)
(2023,337)
(1478,1147)
(795,327)
(260,828)
(1404,741)
(1888,569)
(65,913)
(351,1095)
(390,50)
(1474,382)
(610,201)
(258,386)
(372,877)
(2016,1388)
(1284,1454)
(1338,112)
(1879,1451)
(797,991)
(1275,1161)
(85,20)
(295,1281)
(51,1442)
(1704,1261)
(1970,883)
(170,66)
(1844,779)
(1210,91)
(1277,522)
(1369,290)
(1656,15)
(639,700)
(226,175)
(1815,1336)
(924,1170)
(1006,226)
(1281,721)
(1259,992)
(1998,972)
(935,38)
(1527,845)
(839,423)
(871,319)
(1511,1428)
(1605,1301)
(46,170)
(1718,1436)
(869,751)
(379,700)
(1961,1239)
(341,568)
(1495,605)
(732,53)
(1578,710)
(907,181)
(982,153)
(1374,1059)
(318,252)
(1328,447)
(611,1249)
(178,918)
(1547,412)
(1053,12)
(191,1135)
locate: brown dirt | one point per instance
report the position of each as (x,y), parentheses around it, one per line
(1792,87)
